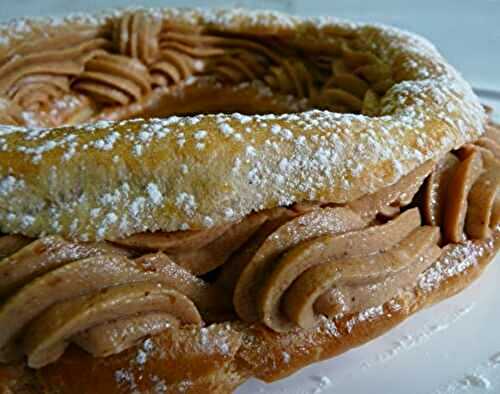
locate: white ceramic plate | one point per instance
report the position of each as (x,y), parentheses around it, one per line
(452,347)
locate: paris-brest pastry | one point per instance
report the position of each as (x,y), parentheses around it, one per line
(192,198)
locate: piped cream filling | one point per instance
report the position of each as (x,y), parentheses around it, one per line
(283,267)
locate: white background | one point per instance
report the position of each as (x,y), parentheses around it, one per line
(453,347)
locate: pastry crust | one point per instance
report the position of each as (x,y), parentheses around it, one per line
(227,246)
(51,184)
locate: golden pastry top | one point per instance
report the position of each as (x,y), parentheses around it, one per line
(109,179)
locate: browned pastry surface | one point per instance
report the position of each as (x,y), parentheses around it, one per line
(221,356)
(329,111)
(221,247)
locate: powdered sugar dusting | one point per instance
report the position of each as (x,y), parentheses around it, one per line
(129,378)
(457,260)
(409,342)
(483,378)
(278,159)
(217,339)
(154,193)
(323,383)
(366,315)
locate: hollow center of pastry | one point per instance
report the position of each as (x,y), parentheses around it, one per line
(141,66)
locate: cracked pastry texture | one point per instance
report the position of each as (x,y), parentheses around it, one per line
(311,232)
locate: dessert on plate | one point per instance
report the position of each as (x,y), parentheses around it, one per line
(192,198)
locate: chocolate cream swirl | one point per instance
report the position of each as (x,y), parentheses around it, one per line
(184,54)
(330,261)
(283,267)
(36,78)
(135,35)
(57,292)
(132,59)
(463,194)
(37,75)
(10,113)
(114,80)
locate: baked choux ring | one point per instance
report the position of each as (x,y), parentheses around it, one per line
(192,198)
